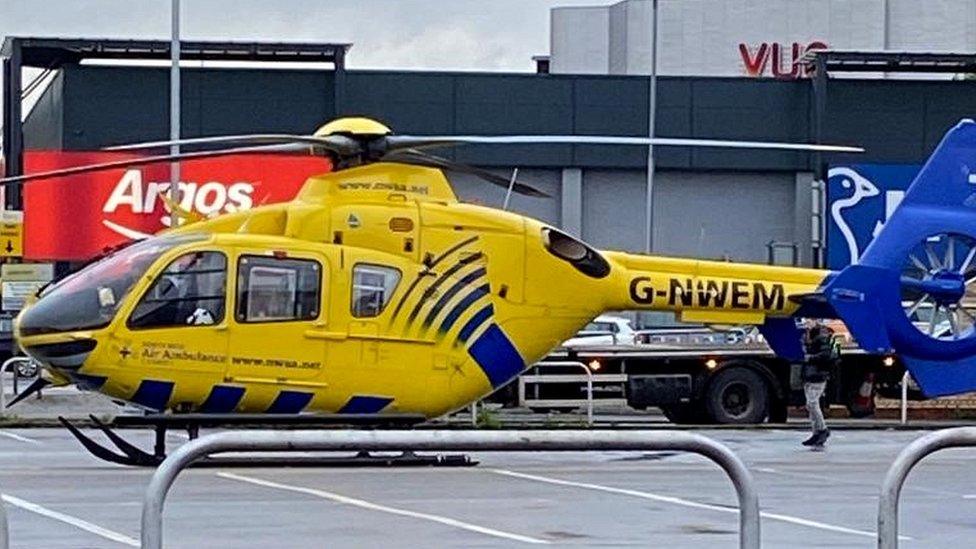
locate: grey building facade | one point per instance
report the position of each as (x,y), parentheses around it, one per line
(749,38)
(707,202)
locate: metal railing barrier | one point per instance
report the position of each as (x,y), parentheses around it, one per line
(903,464)
(904,396)
(589,384)
(590,378)
(4,528)
(589,393)
(4,524)
(446,440)
(9,366)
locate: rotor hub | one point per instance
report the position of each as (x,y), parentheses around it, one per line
(938,286)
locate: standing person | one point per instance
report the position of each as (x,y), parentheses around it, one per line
(822,355)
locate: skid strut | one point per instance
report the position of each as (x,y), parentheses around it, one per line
(132,455)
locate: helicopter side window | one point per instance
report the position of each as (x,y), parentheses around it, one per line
(190,292)
(272,290)
(372,287)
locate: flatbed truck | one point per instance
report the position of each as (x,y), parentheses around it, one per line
(701,383)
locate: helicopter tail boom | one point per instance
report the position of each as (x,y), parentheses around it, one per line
(711,292)
(724,293)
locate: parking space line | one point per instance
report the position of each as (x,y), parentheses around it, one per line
(687,503)
(110,535)
(20,438)
(831,480)
(338,498)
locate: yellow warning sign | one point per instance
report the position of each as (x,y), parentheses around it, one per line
(11,233)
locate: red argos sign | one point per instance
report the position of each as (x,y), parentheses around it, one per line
(76,217)
(776,59)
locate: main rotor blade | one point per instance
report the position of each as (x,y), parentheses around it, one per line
(339,144)
(21,179)
(418,158)
(422,141)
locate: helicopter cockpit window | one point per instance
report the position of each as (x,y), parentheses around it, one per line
(372,287)
(89,298)
(190,292)
(271,289)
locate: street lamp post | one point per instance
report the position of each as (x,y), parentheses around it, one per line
(651,108)
(174,108)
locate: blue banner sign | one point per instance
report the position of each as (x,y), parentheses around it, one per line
(860,197)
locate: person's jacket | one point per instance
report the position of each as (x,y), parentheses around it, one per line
(822,356)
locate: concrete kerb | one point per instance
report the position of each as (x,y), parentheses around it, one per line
(898,472)
(445,440)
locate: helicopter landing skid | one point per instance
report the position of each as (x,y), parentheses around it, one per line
(134,456)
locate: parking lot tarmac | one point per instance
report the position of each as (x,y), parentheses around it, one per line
(57,496)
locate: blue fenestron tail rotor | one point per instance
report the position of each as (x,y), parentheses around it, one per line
(913,291)
(938,286)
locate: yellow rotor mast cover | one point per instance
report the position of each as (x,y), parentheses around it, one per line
(375,181)
(353,125)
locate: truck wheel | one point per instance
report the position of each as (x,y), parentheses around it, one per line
(684,414)
(737,395)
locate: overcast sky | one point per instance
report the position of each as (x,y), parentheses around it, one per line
(441,34)
(492,35)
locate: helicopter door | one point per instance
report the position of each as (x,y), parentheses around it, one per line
(278,303)
(179,328)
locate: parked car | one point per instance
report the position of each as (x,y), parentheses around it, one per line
(604,330)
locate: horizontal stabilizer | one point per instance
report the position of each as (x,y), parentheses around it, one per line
(855,295)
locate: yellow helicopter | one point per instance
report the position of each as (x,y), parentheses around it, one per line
(374,291)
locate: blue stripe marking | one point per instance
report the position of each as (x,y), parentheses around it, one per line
(453,291)
(290,402)
(362,404)
(478,319)
(462,306)
(496,355)
(222,399)
(445,276)
(153,394)
(87,382)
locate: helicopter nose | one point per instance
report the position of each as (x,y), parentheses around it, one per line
(66,356)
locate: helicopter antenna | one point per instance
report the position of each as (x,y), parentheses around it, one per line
(511,185)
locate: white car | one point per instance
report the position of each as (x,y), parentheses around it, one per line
(602,331)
